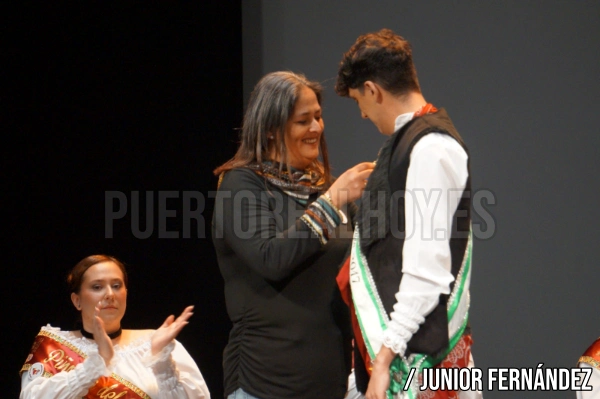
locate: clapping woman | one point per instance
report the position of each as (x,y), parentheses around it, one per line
(102,360)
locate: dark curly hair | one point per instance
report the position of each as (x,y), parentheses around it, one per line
(382,57)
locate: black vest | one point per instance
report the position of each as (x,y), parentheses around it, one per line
(381,220)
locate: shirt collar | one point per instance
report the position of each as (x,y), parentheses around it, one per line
(402,120)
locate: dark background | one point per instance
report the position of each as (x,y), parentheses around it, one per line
(121,97)
(520,80)
(138,98)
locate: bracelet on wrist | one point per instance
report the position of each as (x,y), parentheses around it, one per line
(342,215)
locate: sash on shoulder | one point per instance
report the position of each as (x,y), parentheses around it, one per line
(373,320)
(592,355)
(51,354)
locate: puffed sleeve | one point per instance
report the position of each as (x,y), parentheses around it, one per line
(177,374)
(250,221)
(73,384)
(593,381)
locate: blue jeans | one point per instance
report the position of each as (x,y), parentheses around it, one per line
(241,394)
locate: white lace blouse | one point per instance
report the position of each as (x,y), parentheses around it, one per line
(170,374)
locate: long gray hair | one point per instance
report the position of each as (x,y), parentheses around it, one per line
(270,107)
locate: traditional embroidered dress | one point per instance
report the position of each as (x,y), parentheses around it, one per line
(60,365)
(591,359)
(381,244)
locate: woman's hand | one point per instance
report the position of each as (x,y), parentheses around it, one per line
(350,185)
(170,329)
(105,346)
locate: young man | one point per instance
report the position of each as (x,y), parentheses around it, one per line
(407,279)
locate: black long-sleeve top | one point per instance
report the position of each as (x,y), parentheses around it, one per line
(290,327)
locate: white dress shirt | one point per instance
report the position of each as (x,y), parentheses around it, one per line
(437,176)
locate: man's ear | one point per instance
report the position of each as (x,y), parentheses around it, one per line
(373,90)
(369,87)
(76,300)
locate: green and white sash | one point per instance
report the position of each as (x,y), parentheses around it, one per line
(373,319)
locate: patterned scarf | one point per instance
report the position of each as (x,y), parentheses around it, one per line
(298,184)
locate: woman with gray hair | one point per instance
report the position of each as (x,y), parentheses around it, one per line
(281,229)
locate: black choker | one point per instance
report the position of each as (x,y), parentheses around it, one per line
(113,335)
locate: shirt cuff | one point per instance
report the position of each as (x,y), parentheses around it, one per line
(85,374)
(95,366)
(164,368)
(404,323)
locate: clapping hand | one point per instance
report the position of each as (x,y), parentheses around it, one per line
(105,346)
(170,329)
